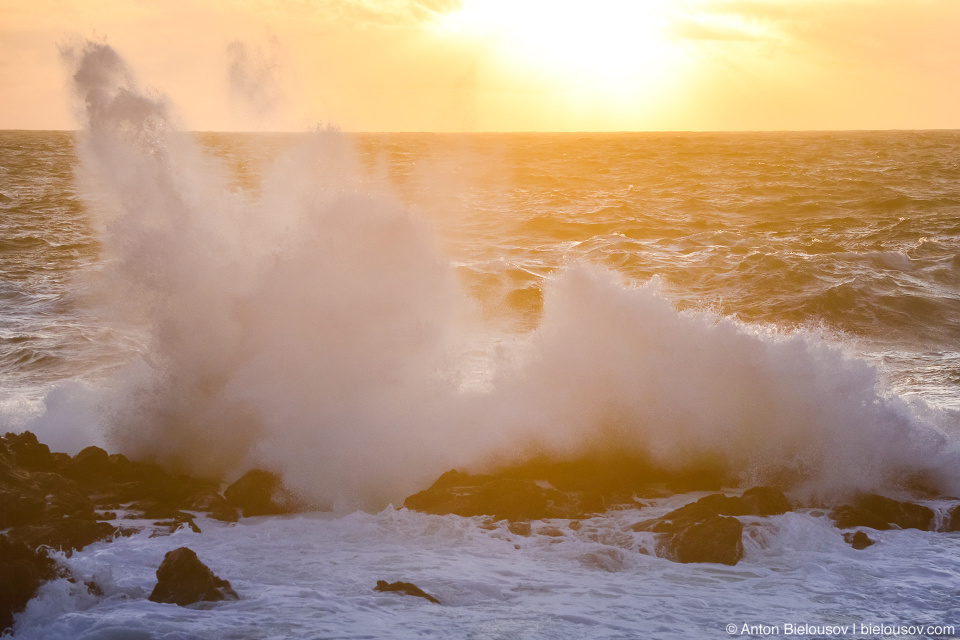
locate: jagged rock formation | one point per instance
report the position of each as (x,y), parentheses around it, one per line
(182,579)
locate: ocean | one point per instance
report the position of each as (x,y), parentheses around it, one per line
(362,312)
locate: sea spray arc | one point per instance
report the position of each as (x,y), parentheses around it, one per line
(303,331)
(314,330)
(617,366)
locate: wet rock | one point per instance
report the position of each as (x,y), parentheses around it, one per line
(183,579)
(28,453)
(89,464)
(847,517)
(261,493)
(705,531)
(615,479)
(879,512)
(765,501)
(952,521)
(65,534)
(519,528)
(19,507)
(22,571)
(405,587)
(548,488)
(225,514)
(715,539)
(175,521)
(503,498)
(858,540)
(52,499)
(759,501)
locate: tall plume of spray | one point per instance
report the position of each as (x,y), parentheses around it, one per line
(315,330)
(254,76)
(303,331)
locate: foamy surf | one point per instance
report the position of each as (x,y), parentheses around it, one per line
(313,576)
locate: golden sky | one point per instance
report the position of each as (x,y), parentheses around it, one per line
(503,65)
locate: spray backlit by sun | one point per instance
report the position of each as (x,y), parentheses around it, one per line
(619,49)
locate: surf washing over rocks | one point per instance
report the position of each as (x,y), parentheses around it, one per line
(315,328)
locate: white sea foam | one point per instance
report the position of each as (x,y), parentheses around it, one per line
(313,576)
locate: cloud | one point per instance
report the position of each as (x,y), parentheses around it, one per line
(690,29)
(383,13)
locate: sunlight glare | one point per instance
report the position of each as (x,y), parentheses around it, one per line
(617,47)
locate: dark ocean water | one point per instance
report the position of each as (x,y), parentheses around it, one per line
(855,234)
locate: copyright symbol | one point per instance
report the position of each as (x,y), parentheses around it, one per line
(731,628)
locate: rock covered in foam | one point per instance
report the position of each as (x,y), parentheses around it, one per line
(183,579)
(707,530)
(858,540)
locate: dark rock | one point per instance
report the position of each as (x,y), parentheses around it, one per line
(166,527)
(182,579)
(405,587)
(19,507)
(89,464)
(714,539)
(847,517)
(952,521)
(53,499)
(28,453)
(878,512)
(765,501)
(504,498)
(712,505)
(759,501)
(617,478)
(702,531)
(226,514)
(60,461)
(66,534)
(519,528)
(858,540)
(544,487)
(22,571)
(261,493)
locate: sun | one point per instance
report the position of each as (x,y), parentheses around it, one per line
(618,48)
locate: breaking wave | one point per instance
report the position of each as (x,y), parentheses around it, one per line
(315,328)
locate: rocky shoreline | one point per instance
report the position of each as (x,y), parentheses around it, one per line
(53,501)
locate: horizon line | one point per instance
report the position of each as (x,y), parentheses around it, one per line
(528,131)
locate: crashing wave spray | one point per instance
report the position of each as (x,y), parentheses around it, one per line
(303,331)
(617,368)
(315,330)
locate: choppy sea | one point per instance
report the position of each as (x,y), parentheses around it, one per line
(361,312)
